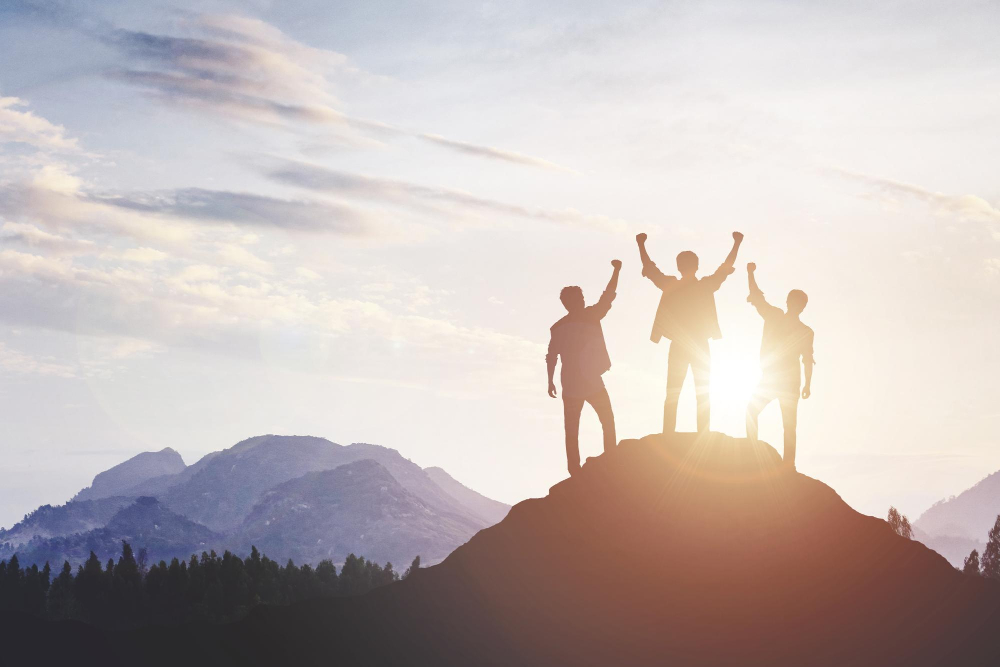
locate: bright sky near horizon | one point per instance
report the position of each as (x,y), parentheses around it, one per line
(353,220)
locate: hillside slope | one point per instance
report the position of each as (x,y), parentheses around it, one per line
(144,523)
(355,508)
(671,550)
(76,516)
(487,508)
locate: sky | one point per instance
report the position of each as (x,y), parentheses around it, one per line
(353,220)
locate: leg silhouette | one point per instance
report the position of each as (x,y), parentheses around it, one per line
(701,367)
(601,403)
(678,361)
(789,419)
(572,407)
(754,408)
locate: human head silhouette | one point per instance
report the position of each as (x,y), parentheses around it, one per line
(572,298)
(796,301)
(687,264)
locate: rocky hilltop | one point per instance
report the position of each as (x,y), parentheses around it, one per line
(678,550)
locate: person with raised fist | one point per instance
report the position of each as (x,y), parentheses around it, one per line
(578,340)
(786,343)
(686,316)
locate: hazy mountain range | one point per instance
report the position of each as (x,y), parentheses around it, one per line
(298,497)
(957,525)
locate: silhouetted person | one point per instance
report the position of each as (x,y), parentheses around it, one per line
(687,317)
(786,341)
(579,340)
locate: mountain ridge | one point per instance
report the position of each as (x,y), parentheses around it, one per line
(222,489)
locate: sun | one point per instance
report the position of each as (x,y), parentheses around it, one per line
(734,378)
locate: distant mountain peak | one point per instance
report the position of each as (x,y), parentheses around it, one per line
(136,470)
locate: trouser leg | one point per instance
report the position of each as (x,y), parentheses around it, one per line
(789,420)
(757,404)
(677,365)
(601,403)
(572,407)
(701,367)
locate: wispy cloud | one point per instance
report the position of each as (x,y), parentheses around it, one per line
(419,197)
(242,68)
(60,202)
(246,209)
(32,237)
(492,153)
(968,206)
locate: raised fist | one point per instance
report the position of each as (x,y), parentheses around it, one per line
(751,267)
(640,238)
(738,237)
(617,263)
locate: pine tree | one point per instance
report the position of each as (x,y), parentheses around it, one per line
(62,602)
(991,554)
(126,588)
(326,576)
(88,590)
(900,523)
(414,566)
(972,564)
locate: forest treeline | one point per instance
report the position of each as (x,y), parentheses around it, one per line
(211,588)
(987,564)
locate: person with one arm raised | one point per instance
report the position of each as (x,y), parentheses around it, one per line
(687,317)
(786,342)
(578,340)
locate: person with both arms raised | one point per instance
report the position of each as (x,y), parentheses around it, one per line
(687,317)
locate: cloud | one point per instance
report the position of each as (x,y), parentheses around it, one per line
(57,200)
(419,197)
(144,255)
(27,128)
(968,207)
(18,363)
(33,237)
(492,153)
(243,68)
(245,209)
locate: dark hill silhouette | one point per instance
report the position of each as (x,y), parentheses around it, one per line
(355,508)
(119,480)
(956,526)
(670,550)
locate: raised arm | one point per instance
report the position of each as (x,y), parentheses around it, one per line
(640,239)
(726,269)
(613,283)
(731,258)
(649,268)
(602,307)
(756,297)
(752,279)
